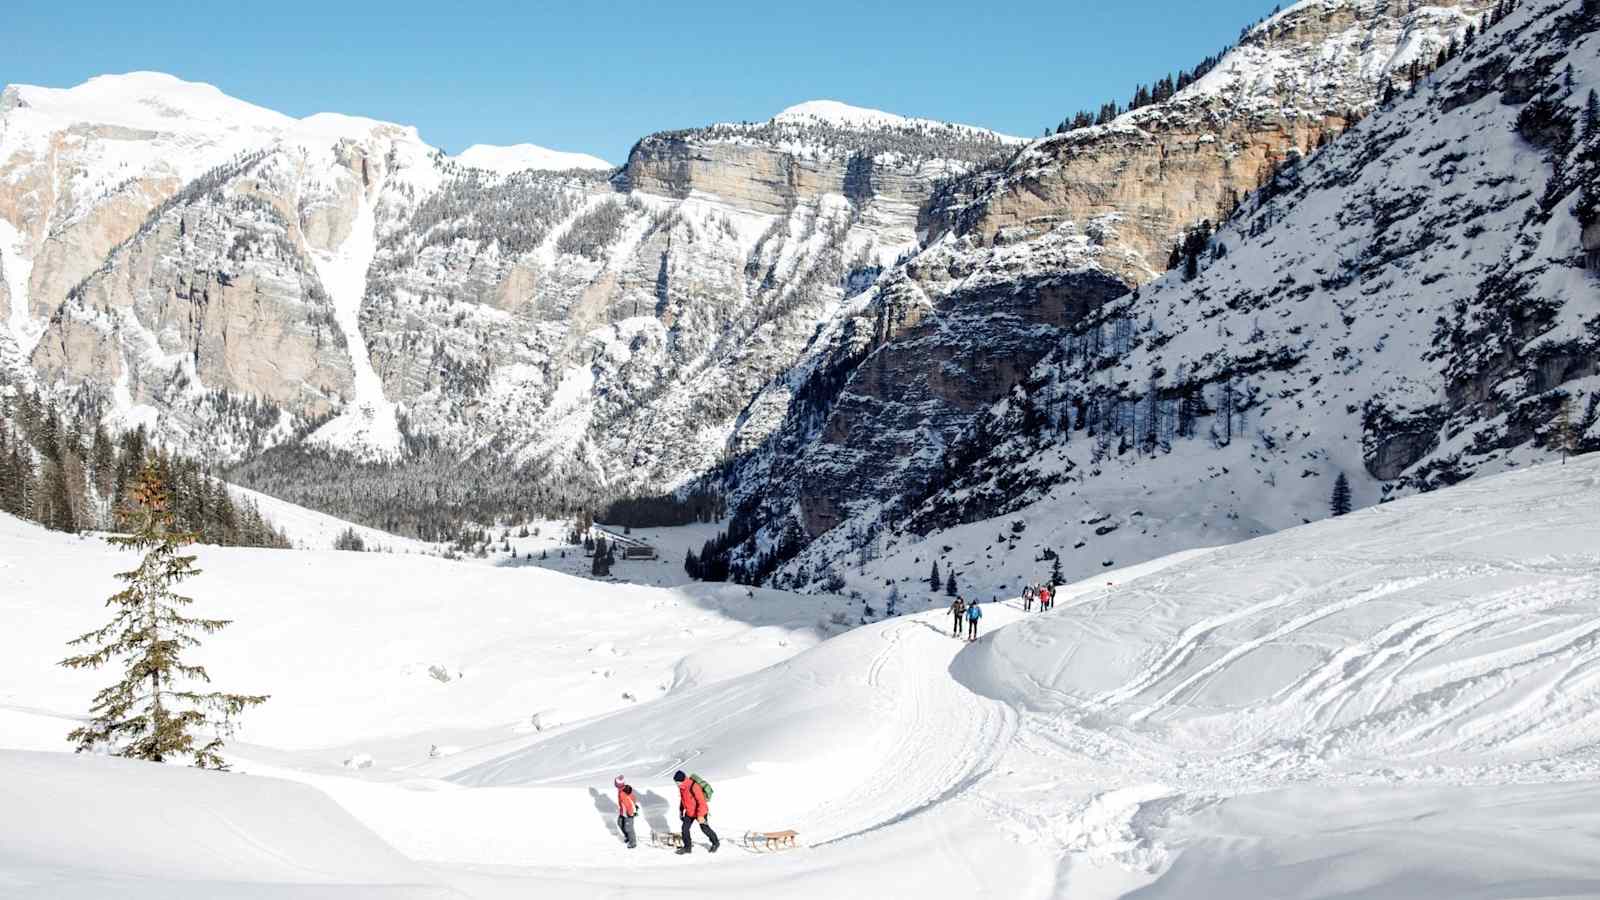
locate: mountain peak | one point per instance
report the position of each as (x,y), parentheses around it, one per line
(838,113)
(844,115)
(147,100)
(522,157)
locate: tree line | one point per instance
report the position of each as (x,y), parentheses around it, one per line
(69,474)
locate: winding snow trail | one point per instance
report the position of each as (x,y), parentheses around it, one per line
(943,737)
(368,424)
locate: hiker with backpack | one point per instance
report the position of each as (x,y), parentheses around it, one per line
(1027,598)
(973,615)
(627,809)
(958,608)
(694,805)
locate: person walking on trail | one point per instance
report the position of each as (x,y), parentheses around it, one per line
(1027,598)
(1045,597)
(958,609)
(627,809)
(694,805)
(973,615)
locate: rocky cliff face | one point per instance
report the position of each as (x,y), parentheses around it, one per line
(1019,252)
(1405,307)
(338,282)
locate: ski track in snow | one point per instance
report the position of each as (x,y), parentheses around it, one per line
(368,422)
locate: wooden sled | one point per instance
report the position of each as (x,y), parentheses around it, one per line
(770,840)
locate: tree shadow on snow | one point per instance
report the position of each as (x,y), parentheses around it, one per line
(607,808)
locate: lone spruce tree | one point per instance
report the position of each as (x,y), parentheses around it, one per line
(151,714)
(1339,503)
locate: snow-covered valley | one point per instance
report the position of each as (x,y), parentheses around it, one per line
(1376,705)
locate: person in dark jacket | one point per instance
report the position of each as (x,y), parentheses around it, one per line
(694,807)
(958,609)
(973,615)
(627,809)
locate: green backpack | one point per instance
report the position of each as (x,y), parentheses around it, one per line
(705,786)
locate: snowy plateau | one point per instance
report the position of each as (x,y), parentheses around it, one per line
(1397,703)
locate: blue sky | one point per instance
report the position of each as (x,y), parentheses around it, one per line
(595,76)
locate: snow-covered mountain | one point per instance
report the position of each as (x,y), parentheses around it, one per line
(337,283)
(811,312)
(520,157)
(1404,303)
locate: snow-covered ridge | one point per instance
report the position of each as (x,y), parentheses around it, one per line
(835,113)
(522,157)
(163,103)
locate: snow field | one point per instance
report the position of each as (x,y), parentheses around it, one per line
(1385,705)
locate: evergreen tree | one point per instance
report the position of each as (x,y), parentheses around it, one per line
(349,540)
(10,478)
(149,715)
(1340,502)
(1055,571)
(933,579)
(1591,117)
(602,565)
(56,512)
(691,565)
(1565,438)
(950,584)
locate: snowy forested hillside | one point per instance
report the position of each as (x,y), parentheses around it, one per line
(1406,305)
(1374,705)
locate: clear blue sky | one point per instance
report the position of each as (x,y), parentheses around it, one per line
(595,76)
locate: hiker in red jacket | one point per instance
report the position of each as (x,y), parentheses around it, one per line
(694,807)
(627,808)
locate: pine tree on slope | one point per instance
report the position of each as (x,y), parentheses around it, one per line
(148,714)
(933,579)
(950,584)
(1340,502)
(1564,438)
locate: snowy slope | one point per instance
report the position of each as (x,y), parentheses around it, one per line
(308,529)
(387,654)
(520,157)
(165,833)
(1371,706)
(1406,306)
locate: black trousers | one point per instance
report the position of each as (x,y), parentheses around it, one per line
(626,824)
(705,828)
(972,628)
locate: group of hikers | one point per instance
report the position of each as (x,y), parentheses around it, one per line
(694,806)
(961,610)
(970,612)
